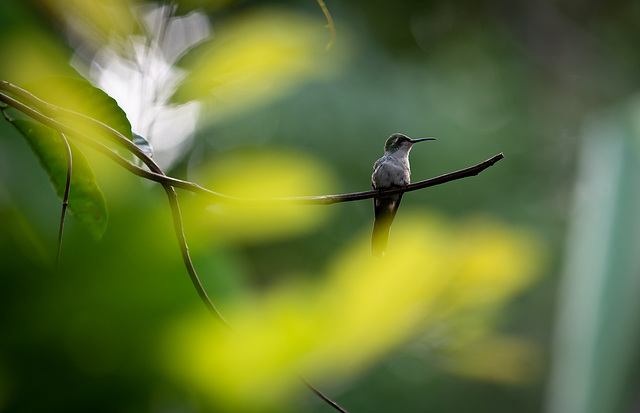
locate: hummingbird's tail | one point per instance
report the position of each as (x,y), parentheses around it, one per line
(385,211)
(379,238)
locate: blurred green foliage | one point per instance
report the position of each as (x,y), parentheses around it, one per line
(483,77)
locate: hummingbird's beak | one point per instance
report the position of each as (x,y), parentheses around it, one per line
(422,139)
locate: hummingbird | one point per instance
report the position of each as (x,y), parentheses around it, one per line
(390,171)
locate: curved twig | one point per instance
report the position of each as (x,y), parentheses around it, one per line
(330,25)
(322,395)
(65,198)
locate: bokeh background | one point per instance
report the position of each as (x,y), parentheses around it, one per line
(516,290)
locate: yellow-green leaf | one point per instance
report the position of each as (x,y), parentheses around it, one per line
(80,96)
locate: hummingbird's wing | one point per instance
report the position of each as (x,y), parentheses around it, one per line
(385,209)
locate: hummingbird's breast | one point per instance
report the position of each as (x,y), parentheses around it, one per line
(390,171)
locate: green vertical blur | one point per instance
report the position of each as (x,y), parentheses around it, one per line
(597,340)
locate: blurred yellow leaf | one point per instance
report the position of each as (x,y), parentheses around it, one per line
(260,175)
(493,254)
(362,309)
(254,58)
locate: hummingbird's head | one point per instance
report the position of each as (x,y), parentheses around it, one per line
(398,141)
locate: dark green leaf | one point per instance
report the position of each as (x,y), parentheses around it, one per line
(86,200)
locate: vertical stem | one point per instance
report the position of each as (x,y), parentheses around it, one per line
(65,198)
(330,25)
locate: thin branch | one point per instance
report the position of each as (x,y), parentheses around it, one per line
(330,25)
(158,175)
(52,111)
(3,109)
(438,180)
(161,178)
(178,227)
(306,200)
(311,200)
(65,198)
(322,395)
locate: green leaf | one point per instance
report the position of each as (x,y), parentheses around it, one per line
(86,200)
(80,96)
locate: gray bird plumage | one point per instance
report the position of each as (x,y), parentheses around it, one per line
(390,171)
